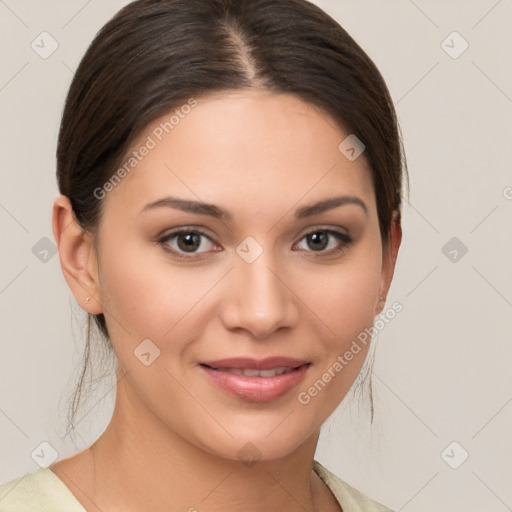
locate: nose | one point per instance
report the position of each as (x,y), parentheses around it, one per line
(258,299)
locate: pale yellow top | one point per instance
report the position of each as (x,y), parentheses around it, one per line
(43,491)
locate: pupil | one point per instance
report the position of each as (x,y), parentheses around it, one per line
(321,237)
(191,241)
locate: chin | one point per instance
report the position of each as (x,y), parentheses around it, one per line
(256,442)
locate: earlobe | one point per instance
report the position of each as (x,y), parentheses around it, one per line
(77,256)
(389,259)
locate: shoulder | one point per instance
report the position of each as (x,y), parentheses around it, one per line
(348,497)
(41,491)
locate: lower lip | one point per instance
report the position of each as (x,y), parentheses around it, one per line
(257,389)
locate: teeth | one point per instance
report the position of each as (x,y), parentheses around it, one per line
(256,373)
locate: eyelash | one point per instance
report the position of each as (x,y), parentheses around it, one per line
(343,237)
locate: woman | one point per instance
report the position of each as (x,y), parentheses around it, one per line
(230,176)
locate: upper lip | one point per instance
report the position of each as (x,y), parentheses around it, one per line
(257,364)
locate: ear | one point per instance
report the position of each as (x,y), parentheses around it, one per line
(78,257)
(389,259)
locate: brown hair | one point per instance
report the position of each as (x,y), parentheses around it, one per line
(154,54)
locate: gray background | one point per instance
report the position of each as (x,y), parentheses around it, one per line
(442,372)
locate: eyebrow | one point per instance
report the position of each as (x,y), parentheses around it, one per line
(221,214)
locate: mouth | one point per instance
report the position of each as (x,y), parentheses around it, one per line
(256,380)
(248,363)
(249,372)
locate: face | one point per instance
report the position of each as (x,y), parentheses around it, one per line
(210,248)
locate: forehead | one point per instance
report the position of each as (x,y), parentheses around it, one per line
(248,148)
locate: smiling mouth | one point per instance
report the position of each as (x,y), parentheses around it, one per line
(256,381)
(251,372)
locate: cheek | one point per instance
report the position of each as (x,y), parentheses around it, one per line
(346,304)
(344,298)
(145,296)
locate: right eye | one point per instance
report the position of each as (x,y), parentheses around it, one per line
(186,241)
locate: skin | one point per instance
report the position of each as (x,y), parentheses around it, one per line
(173,439)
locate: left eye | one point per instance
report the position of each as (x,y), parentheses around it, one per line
(320,240)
